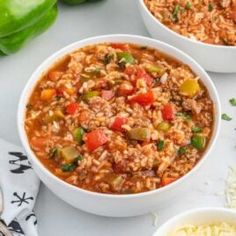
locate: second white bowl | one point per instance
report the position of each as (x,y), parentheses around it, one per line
(197,217)
(214,58)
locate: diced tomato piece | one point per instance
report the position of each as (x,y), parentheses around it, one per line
(126,88)
(144,99)
(72,108)
(167,180)
(107,94)
(95,139)
(118,122)
(120,46)
(168,112)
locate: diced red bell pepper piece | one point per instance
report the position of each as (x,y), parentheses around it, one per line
(118,122)
(168,112)
(120,46)
(72,108)
(107,94)
(126,88)
(95,139)
(142,74)
(144,99)
(167,180)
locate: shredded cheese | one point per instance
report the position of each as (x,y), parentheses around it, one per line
(221,229)
(230,190)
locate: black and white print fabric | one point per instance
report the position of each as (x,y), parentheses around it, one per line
(20,187)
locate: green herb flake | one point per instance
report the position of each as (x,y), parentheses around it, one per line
(182,150)
(160,145)
(210,7)
(196,129)
(224,116)
(78,158)
(68,167)
(175,13)
(107,59)
(54,152)
(188,6)
(233,101)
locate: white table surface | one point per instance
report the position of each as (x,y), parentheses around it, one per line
(55,217)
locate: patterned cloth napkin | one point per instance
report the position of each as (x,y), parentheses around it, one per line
(20,187)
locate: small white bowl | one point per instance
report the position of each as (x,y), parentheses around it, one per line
(110,204)
(197,217)
(214,58)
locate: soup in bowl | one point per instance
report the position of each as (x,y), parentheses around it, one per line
(117,118)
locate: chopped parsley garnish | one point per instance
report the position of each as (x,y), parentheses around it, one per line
(188,6)
(210,7)
(175,13)
(160,145)
(224,116)
(233,101)
(107,59)
(182,150)
(68,167)
(78,158)
(197,129)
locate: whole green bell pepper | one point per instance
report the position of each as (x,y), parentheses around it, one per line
(16,15)
(15,41)
(75,2)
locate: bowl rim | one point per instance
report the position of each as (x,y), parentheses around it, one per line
(129,38)
(194,211)
(180,36)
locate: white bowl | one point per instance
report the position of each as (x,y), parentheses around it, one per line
(214,58)
(197,217)
(108,204)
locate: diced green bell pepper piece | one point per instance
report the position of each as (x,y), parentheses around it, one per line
(125,57)
(17,15)
(87,96)
(163,126)
(69,154)
(139,134)
(78,134)
(153,69)
(15,41)
(57,115)
(198,141)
